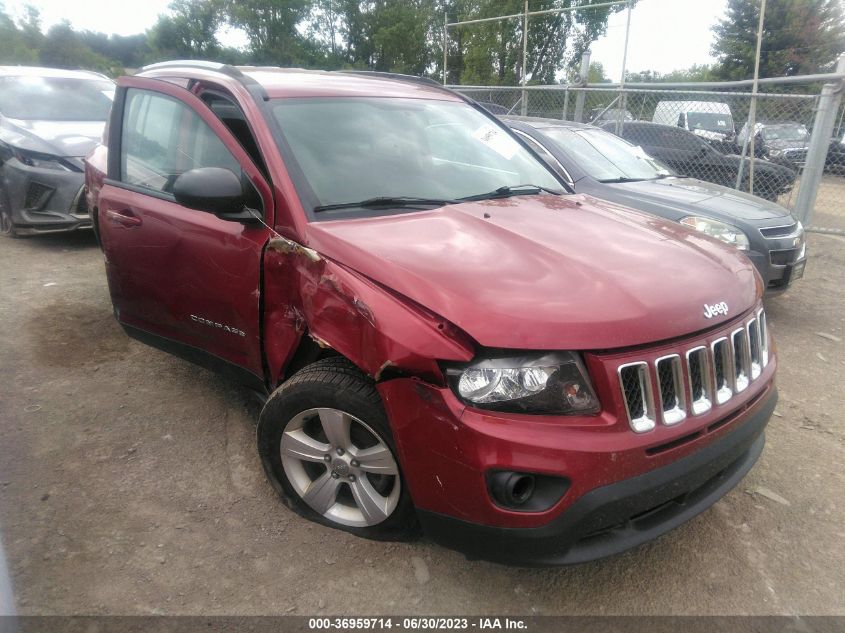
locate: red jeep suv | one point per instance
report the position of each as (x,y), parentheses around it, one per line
(446,338)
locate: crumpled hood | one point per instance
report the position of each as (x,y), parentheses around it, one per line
(690,196)
(547,272)
(59,138)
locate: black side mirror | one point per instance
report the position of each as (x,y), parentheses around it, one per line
(212,189)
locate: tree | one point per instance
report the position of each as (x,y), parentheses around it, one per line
(272,27)
(491,52)
(696,72)
(13,47)
(188,32)
(799,37)
(64,48)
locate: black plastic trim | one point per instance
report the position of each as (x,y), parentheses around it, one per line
(199,357)
(614,518)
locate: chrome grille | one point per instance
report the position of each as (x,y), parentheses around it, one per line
(741,360)
(723,370)
(671,384)
(700,382)
(637,392)
(693,381)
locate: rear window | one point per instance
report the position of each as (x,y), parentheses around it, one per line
(55,98)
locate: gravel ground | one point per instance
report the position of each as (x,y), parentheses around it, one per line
(130,484)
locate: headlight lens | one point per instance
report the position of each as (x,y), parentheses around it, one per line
(727,233)
(552,384)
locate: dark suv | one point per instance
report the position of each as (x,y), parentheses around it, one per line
(691,155)
(783,143)
(444,334)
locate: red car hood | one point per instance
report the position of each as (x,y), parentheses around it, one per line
(547,272)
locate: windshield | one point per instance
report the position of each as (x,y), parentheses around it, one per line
(55,98)
(710,121)
(785,133)
(353,149)
(605,156)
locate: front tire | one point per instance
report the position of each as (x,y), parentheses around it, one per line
(326,447)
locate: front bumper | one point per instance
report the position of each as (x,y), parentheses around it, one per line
(613,518)
(779,260)
(44,200)
(622,487)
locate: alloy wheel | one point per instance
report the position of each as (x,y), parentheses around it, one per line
(340,467)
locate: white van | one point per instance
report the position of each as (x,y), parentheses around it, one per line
(708,119)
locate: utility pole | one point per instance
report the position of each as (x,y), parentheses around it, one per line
(579,98)
(752,123)
(623,98)
(524,106)
(828,105)
(445,42)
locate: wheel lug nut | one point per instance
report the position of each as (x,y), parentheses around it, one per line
(339,450)
(356,463)
(351,477)
(335,475)
(327,458)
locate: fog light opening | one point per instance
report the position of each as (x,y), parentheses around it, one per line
(512,489)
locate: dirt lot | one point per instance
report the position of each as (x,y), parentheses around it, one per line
(129,483)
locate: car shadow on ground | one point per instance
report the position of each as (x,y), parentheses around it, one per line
(75,241)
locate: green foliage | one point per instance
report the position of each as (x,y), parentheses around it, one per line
(403,36)
(491,53)
(13,47)
(696,72)
(799,37)
(64,48)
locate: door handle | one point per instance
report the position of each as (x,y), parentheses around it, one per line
(124,217)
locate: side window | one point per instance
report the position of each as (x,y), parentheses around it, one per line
(162,139)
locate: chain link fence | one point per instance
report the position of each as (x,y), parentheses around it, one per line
(704,133)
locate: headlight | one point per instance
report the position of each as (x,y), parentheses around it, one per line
(41,161)
(728,233)
(554,383)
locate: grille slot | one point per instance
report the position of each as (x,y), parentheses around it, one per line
(671,384)
(779,231)
(785,257)
(637,393)
(763,328)
(754,348)
(723,370)
(741,360)
(700,380)
(37,195)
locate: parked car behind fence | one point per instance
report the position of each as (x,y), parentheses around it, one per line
(604,165)
(690,155)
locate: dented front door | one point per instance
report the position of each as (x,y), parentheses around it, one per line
(184,277)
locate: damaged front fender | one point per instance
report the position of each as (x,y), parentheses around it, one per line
(378,330)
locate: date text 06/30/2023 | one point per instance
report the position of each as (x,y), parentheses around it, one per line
(417,624)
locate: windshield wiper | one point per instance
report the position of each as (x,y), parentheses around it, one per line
(512,190)
(387,201)
(621,179)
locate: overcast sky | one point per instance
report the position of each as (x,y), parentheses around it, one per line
(665,34)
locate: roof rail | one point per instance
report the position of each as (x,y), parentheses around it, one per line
(409,78)
(226,69)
